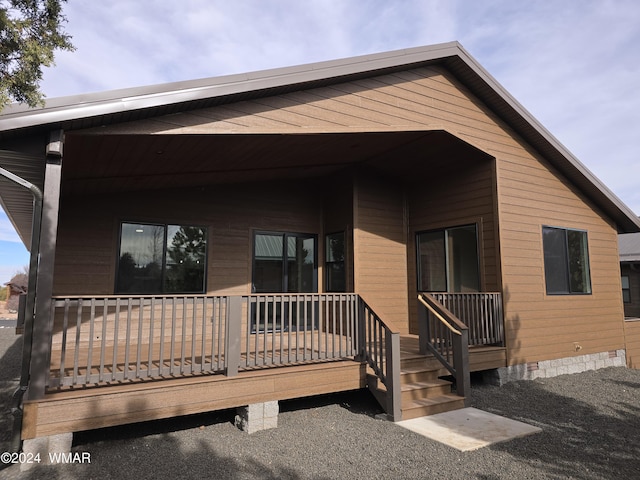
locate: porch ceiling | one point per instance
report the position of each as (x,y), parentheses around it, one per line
(111,163)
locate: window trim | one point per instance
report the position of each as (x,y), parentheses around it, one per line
(567,266)
(165,225)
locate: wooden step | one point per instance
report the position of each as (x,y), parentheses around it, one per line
(419,361)
(417,374)
(431,406)
(419,390)
(423,392)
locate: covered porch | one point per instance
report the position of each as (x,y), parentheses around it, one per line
(263,270)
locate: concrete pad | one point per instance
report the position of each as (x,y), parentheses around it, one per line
(468,428)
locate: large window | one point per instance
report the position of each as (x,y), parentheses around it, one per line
(448,260)
(334,263)
(158,258)
(566,261)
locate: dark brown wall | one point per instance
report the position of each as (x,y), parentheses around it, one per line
(89,228)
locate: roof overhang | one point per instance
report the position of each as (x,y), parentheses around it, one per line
(19,123)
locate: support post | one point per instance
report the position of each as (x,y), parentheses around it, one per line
(461,365)
(394,389)
(362,330)
(423,329)
(233,336)
(42,325)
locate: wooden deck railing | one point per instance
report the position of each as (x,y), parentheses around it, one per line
(447,338)
(381,350)
(111,339)
(287,329)
(481,312)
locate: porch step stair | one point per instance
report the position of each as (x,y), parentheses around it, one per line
(423,392)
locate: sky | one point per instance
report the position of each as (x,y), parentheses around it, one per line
(574,64)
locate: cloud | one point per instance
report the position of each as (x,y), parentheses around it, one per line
(7,232)
(122,43)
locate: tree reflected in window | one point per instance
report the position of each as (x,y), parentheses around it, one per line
(186,252)
(161,259)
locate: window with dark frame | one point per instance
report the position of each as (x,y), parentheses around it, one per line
(336,278)
(626,289)
(284,262)
(161,258)
(566,261)
(448,260)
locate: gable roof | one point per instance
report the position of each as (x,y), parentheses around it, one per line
(116,106)
(629,246)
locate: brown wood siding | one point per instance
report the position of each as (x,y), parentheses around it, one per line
(87,249)
(462,196)
(380,254)
(632,340)
(541,326)
(530,194)
(632,309)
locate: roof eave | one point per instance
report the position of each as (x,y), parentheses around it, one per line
(109,106)
(112,102)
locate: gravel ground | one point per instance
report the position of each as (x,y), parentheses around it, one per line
(590,423)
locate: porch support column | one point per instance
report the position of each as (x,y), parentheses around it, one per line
(42,327)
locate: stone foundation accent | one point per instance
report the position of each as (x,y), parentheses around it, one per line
(553,368)
(44,446)
(258,416)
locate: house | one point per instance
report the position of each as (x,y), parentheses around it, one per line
(630,278)
(375,222)
(16,287)
(630,271)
